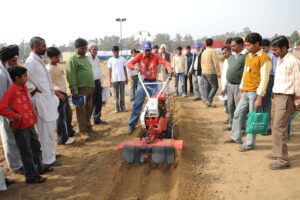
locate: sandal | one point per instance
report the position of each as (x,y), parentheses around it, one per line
(46,169)
(279,165)
(37,179)
(271,156)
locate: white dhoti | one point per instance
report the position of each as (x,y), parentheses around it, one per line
(11,151)
(2,181)
(46,137)
(46,108)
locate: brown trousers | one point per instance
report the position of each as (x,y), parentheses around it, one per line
(284,106)
(84,113)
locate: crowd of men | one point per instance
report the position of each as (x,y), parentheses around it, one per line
(34,97)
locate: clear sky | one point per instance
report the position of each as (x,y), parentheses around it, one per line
(60,21)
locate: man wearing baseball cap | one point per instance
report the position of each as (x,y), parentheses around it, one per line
(148,66)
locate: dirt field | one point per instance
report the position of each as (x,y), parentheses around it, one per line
(206,168)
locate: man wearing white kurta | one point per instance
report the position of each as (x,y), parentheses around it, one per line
(43,99)
(97,95)
(8,57)
(2,180)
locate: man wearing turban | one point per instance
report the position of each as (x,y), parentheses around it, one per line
(8,58)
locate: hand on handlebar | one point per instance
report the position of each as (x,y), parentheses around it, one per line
(172,73)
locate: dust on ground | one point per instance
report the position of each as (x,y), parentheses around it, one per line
(205,169)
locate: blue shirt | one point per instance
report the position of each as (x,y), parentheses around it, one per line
(189,60)
(274,62)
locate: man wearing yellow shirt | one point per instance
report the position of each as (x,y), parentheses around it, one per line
(179,63)
(252,89)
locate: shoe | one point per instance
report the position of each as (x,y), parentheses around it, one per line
(69,141)
(54,164)
(271,156)
(130,130)
(84,136)
(197,99)
(46,169)
(9,181)
(231,141)
(279,165)
(36,179)
(99,121)
(210,105)
(20,171)
(184,95)
(244,132)
(175,95)
(246,148)
(76,133)
(227,128)
(89,129)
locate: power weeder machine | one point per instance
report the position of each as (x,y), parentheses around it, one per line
(156,143)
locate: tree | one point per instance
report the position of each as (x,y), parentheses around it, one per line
(274,36)
(3,45)
(294,38)
(162,38)
(246,31)
(187,40)
(131,43)
(24,51)
(176,42)
(108,42)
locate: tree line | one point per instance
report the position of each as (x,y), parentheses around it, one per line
(106,43)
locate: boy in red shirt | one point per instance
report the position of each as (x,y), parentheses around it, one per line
(16,105)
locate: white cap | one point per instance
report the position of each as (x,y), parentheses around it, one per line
(163,46)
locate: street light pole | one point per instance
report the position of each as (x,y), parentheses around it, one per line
(121,20)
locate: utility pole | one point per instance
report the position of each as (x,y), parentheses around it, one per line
(121,20)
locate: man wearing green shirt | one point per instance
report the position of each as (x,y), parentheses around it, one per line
(81,82)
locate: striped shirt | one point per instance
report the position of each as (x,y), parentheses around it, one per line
(287,76)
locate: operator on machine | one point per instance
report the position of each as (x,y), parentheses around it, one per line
(148,66)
